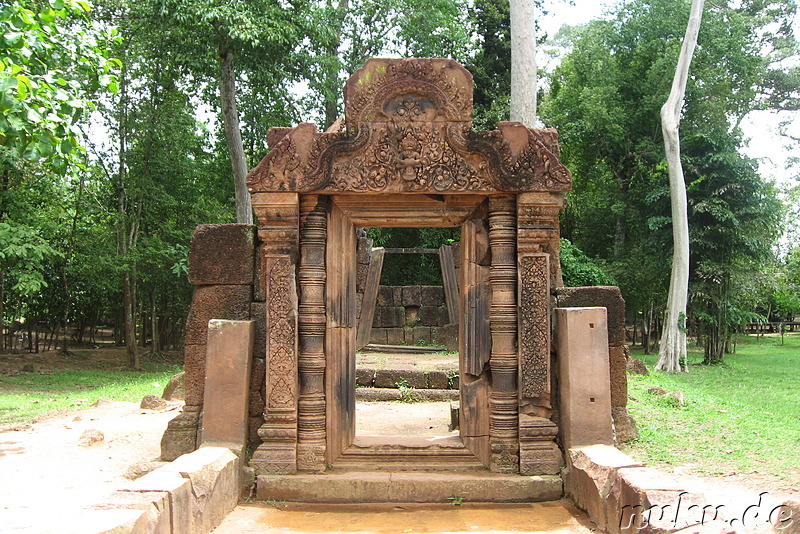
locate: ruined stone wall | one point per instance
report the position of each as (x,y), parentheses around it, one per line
(223,268)
(410,315)
(609,297)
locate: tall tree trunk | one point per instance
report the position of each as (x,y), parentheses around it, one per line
(523,62)
(230,118)
(125,234)
(156,346)
(673,338)
(128,302)
(331,101)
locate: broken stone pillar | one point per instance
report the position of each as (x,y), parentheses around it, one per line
(583,375)
(221,267)
(610,298)
(226,398)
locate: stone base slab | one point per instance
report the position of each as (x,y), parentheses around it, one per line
(191,495)
(399,487)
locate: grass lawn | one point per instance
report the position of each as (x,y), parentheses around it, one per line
(741,417)
(25,395)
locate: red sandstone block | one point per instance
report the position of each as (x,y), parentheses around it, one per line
(608,297)
(222,254)
(226,395)
(216,302)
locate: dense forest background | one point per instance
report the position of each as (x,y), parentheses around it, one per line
(117,126)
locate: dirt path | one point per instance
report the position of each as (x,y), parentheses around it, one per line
(51,482)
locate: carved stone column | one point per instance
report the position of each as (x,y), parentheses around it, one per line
(312,323)
(539,270)
(503,399)
(278,232)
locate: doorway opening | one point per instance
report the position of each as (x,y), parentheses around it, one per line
(407,368)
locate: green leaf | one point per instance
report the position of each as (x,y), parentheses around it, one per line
(32,153)
(47,15)
(23,86)
(13,39)
(66,146)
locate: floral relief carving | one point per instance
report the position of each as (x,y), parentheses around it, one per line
(534,325)
(408,129)
(281,328)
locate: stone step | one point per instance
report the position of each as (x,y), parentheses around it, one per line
(408,487)
(420,453)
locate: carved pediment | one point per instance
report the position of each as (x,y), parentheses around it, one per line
(408,130)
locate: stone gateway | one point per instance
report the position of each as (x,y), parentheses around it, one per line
(404,156)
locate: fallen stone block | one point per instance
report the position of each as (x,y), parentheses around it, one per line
(591,474)
(215,477)
(180,494)
(153,507)
(647,501)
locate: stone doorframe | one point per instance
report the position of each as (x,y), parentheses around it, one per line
(407,156)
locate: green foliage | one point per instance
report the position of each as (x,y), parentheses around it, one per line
(406,391)
(27,395)
(605,99)
(51,58)
(579,270)
(412,269)
(491,65)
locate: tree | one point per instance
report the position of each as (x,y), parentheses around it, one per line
(225,40)
(605,98)
(51,61)
(491,64)
(523,62)
(49,56)
(673,338)
(580,270)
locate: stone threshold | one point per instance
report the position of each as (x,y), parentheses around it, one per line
(408,487)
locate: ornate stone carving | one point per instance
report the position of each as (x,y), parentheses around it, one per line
(278,221)
(534,325)
(538,452)
(503,399)
(281,332)
(312,323)
(408,89)
(408,130)
(408,158)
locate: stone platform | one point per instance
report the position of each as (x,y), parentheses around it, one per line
(408,487)
(559,517)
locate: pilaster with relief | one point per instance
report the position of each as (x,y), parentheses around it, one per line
(312,324)
(278,222)
(538,268)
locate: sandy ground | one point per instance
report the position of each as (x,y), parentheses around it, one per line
(399,419)
(50,483)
